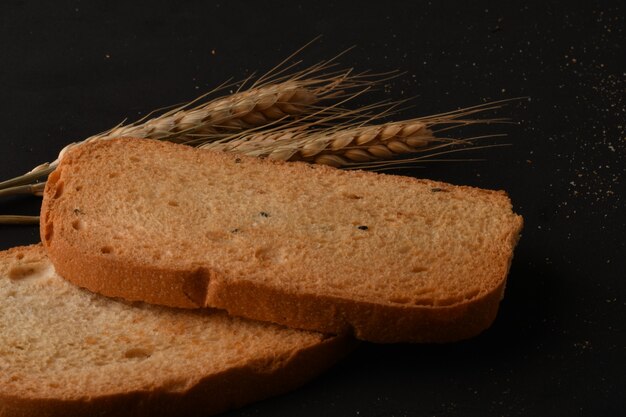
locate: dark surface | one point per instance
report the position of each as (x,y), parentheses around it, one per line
(71,69)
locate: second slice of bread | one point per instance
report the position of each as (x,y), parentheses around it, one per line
(67,352)
(387,258)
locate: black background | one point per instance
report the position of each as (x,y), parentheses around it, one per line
(69,69)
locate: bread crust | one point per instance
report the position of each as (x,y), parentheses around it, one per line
(207,395)
(202,287)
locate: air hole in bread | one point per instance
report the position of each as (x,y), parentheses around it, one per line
(58,189)
(22,271)
(113,175)
(173,203)
(216,236)
(417,269)
(106,249)
(263,254)
(78,224)
(48,232)
(134,159)
(78,187)
(19,256)
(54,177)
(269,255)
(352,196)
(137,353)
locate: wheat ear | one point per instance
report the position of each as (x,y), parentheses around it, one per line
(244,110)
(197,123)
(337,148)
(350,145)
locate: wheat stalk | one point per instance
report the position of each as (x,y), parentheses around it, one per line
(34,189)
(11,219)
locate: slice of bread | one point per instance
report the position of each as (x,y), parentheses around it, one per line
(68,352)
(387,258)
